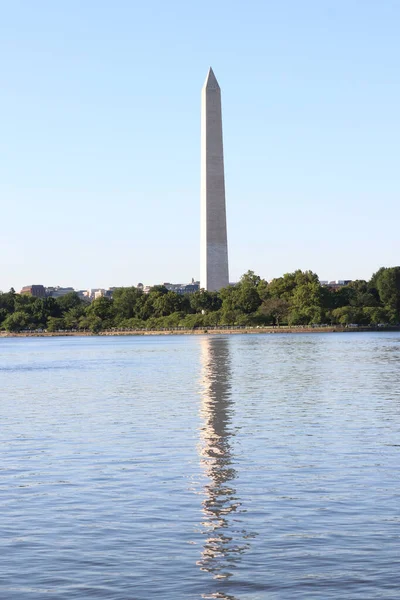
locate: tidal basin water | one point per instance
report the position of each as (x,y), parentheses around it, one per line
(237,467)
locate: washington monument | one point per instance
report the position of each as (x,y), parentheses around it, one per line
(214,246)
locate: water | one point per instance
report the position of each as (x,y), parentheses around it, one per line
(234,467)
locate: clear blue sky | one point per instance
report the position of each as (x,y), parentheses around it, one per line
(100,149)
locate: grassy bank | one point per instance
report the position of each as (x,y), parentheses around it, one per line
(200,331)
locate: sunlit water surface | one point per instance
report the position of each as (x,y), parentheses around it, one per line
(234,467)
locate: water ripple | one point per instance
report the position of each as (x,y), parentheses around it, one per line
(232,467)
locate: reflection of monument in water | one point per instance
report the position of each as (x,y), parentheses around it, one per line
(226,539)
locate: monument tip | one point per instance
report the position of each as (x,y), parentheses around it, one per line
(211,81)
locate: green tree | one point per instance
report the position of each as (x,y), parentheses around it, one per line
(68,302)
(263,290)
(55,324)
(228,297)
(247,297)
(243,298)
(387,283)
(72,317)
(376,315)
(250,279)
(348,314)
(7,302)
(16,321)
(275,310)
(3,315)
(359,294)
(144,307)
(203,300)
(126,302)
(101,313)
(283,287)
(192,321)
(166,304)
(173,320)
(229,317)
(212,318)
(24,302)
(306,303)
(92,322)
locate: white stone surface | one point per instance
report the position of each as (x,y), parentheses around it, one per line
(214,246)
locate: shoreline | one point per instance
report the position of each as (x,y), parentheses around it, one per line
(200,331)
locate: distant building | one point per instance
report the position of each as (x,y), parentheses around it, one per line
(191,288)
(183,288)
(38,291)
(56,292)
(83,294)
(101,293)
(337,284)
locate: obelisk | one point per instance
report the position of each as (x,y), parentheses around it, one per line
(214,245)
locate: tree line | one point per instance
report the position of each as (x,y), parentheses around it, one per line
(296,298)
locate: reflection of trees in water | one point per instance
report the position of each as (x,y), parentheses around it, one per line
(226,540)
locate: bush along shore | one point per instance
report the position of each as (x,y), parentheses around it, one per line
(296,300)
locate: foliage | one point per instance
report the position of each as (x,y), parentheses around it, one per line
(387,284)
(274,310)
(296,298)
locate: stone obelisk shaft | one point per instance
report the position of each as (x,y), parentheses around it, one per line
(214,246)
